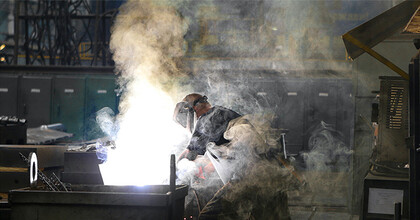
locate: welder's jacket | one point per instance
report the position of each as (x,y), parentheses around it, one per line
(210,128)
(258,186)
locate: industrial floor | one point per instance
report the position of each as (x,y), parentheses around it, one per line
(314,207)
(327,196)
(302,207)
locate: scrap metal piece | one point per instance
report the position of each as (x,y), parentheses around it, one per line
(33,168)
(50,186)
(283,143)
(58,183)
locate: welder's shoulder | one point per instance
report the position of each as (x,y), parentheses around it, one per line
(225,112)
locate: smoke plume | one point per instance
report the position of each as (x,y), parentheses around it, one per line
(242,40)
(147,42)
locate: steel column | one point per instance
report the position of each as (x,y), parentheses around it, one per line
(16,32)
(414,186)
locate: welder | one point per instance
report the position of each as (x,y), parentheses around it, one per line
(211,123)
(233,143)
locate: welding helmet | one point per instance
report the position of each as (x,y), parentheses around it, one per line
(184,113)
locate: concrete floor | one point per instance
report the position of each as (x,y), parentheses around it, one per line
(301,208)
(327,196)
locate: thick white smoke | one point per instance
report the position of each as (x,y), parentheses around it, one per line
(146,40)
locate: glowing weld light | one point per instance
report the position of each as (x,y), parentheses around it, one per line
(145,140)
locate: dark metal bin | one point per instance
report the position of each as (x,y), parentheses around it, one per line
(99,202)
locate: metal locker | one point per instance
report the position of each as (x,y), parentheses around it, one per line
(292,113)
(8,95)
(321,105)
(35,100)
(68,103)
(345,110)
(100,93)
(269,95)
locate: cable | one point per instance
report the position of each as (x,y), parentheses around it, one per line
(53,31)
(397,173)
(198,201)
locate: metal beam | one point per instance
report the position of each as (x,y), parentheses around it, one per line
(376,55)
(16,32)
(414,144)
(381,27)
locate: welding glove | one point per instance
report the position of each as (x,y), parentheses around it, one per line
(192,155)
(186,170)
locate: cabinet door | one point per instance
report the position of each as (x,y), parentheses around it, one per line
(35,100)
(8,95)
(269,95)
(321,104)
(292,113)
(68,104)
(345,113)
(100,93)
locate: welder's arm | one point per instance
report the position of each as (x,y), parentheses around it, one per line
(183,155)
(189,154)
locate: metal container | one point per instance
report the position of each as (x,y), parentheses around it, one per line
(81,168)
(14,171)
(99,202)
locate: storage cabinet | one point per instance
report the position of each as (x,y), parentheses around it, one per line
(34,102)
(8,95)
(345,117)
(300,105)
(322,105)
(68,103)
(70,100)
(269,96)
(292,113)
(100,93)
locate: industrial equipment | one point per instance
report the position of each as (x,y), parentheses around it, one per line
(387,181)
(81,168)
(14,172)
(101,202)
(12,130)
(391,149)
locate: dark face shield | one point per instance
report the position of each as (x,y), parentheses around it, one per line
(184,115)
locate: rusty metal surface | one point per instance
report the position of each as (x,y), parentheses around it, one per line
(381,27)
(413,25)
